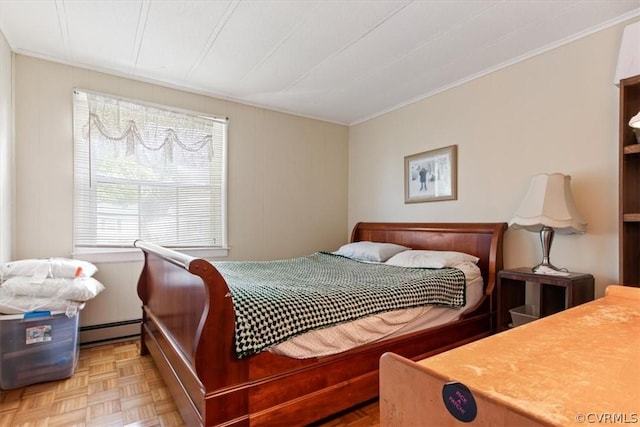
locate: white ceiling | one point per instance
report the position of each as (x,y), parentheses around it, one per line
(343,61)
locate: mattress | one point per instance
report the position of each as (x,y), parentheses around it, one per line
(280,299)
(345,336)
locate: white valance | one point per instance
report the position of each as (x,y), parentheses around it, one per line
(147,127)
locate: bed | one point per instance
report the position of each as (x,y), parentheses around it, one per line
(188,328)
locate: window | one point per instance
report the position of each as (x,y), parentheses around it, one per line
(147,172)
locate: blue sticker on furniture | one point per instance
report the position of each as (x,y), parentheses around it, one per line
(459,402)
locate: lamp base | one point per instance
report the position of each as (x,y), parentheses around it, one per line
(546,238)
(540,268)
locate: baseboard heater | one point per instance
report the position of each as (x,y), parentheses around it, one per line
(109,331)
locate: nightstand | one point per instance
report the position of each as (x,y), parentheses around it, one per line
(556,292)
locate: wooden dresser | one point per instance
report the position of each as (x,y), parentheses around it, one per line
(577,367)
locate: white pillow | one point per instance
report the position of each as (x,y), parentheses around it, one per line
(80,289)
(370,251)
(48,268)
(430,259)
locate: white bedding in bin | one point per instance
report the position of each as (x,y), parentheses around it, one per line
(345,336)
(19,304)
(47,284)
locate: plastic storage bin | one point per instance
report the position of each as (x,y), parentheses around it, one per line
(37,347)
(524,314)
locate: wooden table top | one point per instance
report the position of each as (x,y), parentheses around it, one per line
(561,369)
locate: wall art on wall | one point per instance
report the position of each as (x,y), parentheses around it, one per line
(431,175)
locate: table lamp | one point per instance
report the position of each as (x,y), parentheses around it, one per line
(549,208)
(634,123)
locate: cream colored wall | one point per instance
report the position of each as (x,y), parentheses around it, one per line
(6,150)
(287,176)
(555,112)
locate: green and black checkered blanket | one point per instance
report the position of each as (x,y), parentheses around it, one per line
(276,300)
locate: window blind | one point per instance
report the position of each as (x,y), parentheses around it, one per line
(147,172)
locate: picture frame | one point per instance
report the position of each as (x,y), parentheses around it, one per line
(431,176)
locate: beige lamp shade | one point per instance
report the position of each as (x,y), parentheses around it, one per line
(549,202)
(629,54)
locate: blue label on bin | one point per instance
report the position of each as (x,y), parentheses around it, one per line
(459,402)
(35,314)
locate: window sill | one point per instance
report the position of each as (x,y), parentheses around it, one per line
(118,255)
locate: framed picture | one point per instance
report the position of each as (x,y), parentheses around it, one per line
(431,175)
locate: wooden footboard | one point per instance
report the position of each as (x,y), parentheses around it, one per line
(188,328)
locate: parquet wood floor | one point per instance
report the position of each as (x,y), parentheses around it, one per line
(114,386)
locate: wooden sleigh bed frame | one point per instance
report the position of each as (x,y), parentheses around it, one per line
(188,328)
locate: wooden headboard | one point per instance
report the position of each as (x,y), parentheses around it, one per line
(480,239)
